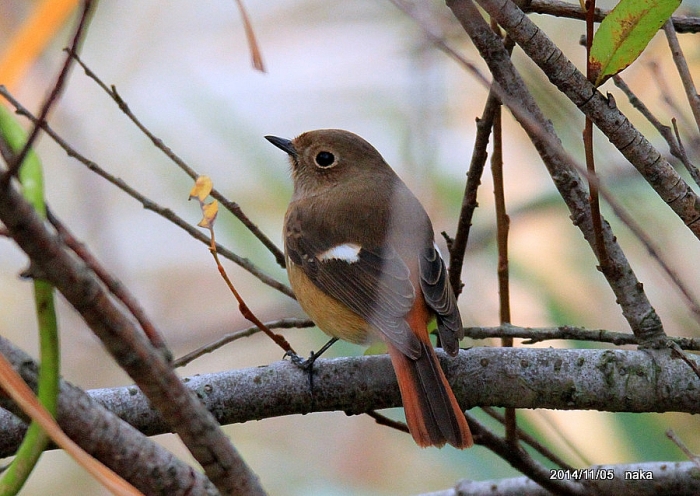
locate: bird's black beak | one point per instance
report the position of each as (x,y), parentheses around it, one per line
(283,144)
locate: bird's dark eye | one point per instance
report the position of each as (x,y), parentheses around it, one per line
(325,159)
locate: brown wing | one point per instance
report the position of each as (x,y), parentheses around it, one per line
(439,296)
(376,285)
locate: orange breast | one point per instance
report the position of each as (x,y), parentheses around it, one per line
(330,315)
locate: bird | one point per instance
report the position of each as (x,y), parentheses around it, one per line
(363,264)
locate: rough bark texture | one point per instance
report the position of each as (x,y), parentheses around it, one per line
(127,344)
(148,466)
(635,305)
(604,380)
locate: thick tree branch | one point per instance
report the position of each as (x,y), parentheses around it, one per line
(147,203)
(651,164)
(148,466)
(127,344)
(604,380)
(637,381)
(669,478)
(630,295)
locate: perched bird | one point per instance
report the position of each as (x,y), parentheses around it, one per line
(363,264)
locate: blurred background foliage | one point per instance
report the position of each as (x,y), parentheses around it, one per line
(184,69)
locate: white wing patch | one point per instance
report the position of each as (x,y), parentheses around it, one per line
(348,252)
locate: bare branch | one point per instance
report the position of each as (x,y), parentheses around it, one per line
(113,284)
(559,379)
(674,144)
(233,336)
(527,438)
(573,10)
(533,335)
(635,305)
(144,463)
(130,348)
(683,71)
(666,479)
(148,203)
(458,246)
(690,167)
(231,206)
(522,461)
(679,442)
(661,175)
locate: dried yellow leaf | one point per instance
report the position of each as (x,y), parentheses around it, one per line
(209,210)
(202,187)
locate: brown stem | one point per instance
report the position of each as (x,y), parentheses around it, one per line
(126,343)
(572,10)
(147,203)
(683,71)
(600,251)
(502,227)
(635,305)
(114,285)
(231,206)
(242,306)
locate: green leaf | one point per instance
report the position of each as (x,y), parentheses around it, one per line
(624,34)
(35,440)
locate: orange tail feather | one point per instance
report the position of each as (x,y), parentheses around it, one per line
(433,415)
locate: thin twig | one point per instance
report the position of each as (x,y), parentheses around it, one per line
(683,71)
(593,199)
(527,438)
(386,421)
(255,54)
(210,211)
(502,228)
(233,336)
(670,433)
(521,460)
(565,438)
(690,167)
(659,79)
(665,131)
(231,206)
(115,286)
(146,202)
(572,10)
(56,91)
(458,246)
(533,335)
(683,356)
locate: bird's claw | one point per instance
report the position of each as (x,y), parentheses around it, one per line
(299,361)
